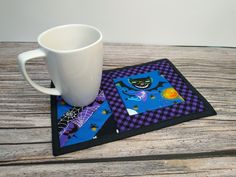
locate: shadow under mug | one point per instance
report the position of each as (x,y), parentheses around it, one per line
(74,57)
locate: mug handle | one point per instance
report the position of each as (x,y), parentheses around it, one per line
(23,58)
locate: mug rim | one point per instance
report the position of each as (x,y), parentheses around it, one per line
(70,50)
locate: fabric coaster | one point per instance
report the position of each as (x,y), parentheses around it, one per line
(132,100)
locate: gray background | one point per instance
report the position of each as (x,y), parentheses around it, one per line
(163,22)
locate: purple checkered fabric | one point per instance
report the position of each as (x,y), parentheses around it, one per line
(192,103)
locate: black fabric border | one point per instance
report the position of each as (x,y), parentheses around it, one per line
(57,150)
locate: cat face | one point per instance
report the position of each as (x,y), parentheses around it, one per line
(141,83)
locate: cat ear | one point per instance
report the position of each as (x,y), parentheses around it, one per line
(151,79)
(130,80)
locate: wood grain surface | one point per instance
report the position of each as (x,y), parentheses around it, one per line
(203,147)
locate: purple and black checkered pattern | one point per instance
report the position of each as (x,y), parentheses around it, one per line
(192,103)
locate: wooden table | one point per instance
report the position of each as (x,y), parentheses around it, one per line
(203,147)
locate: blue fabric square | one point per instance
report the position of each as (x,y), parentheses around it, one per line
(145,92)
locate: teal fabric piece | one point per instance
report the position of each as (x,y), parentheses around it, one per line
(89,130)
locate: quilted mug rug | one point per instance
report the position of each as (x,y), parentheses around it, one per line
(132,100)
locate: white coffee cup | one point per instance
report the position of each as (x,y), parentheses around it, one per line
(74,57)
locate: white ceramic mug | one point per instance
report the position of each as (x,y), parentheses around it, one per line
(74,57)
